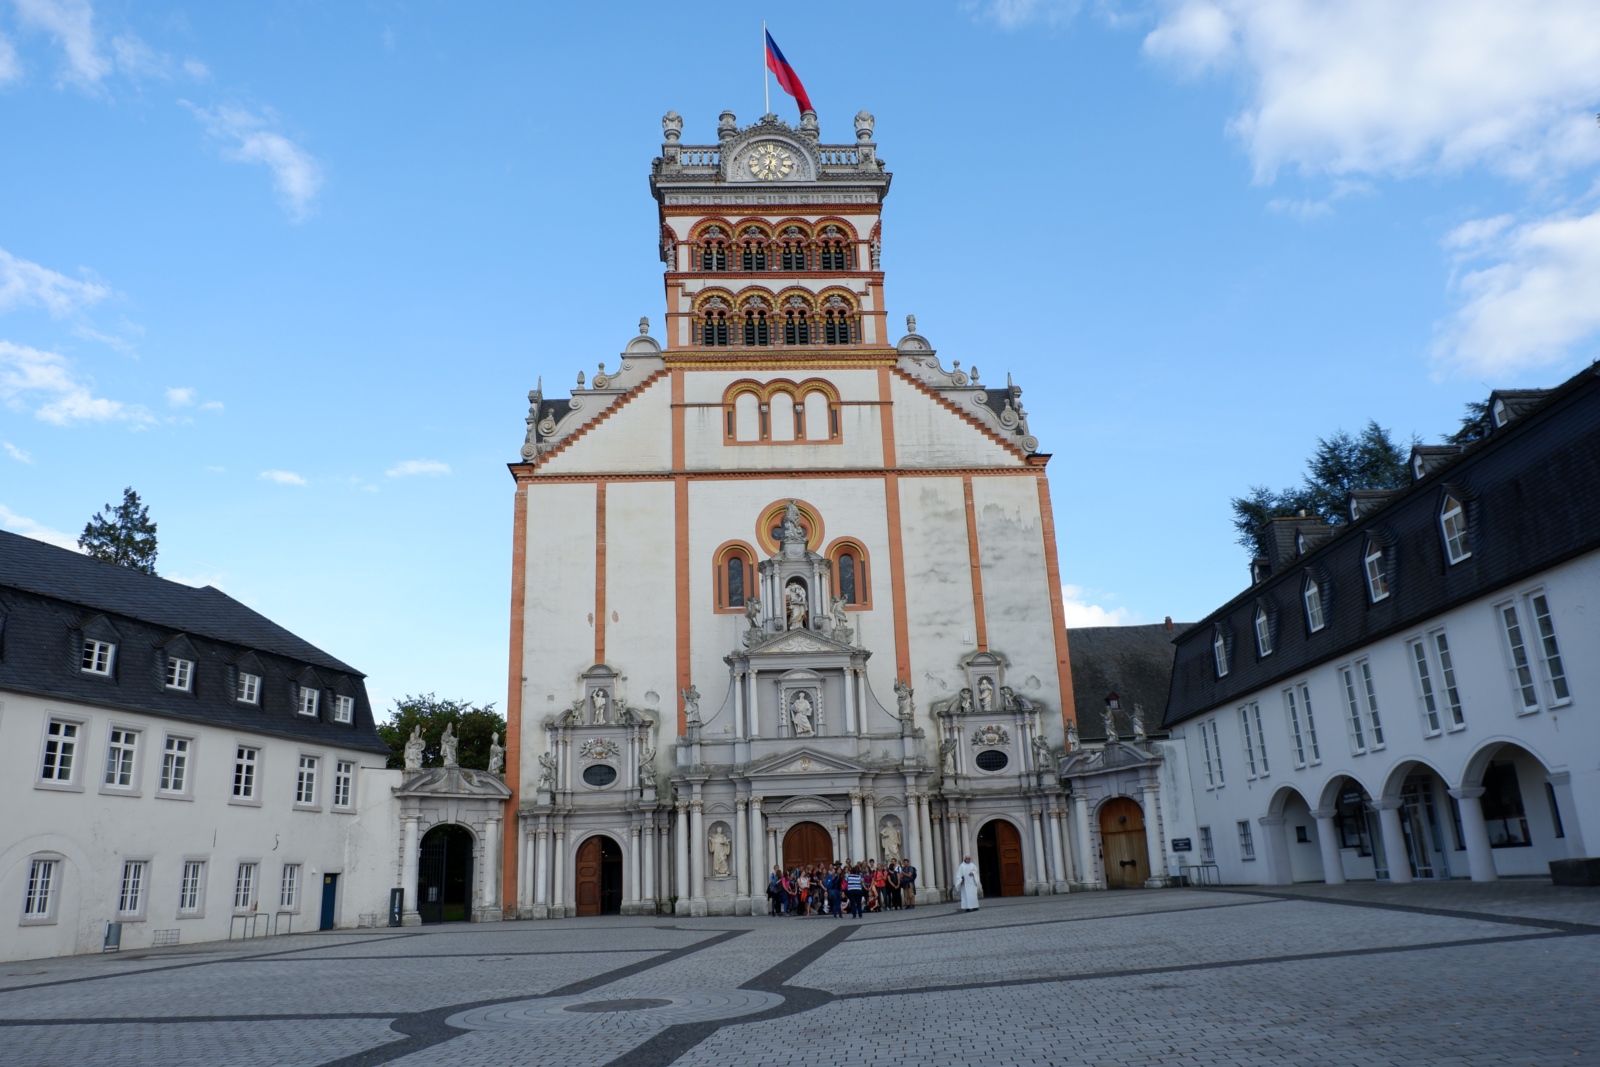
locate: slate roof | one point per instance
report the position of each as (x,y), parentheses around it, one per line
(1135,662)
(50,597)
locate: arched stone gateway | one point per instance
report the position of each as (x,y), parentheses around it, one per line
(598,875)
(444,875)
(805,845)
(1000,859)
(1123,845)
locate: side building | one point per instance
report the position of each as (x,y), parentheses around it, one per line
(175,763)
(1413,693)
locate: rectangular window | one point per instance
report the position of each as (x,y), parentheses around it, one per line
(180,674)
(305,781)
(1205,741)
(60,751)
(131,900)
(1425,693)
(308,700)
(344,773)
(344,709)
(1358,736)
(190,887)
(248,688)
(244,772)
(1377,583)
(1219,653)
(1263,633)
(1314,749)
(120,753)
(1261,738)
(1447,679)
(1453,520)
(1521,669)
(1373,721)
(1249,748)
(98,656)
(1208,851)
(1315,619)
(1247,845)
(1297,737)
(244,887)
(1216,741)
(1555,675)
(41,889)
(289,887)
(175,765)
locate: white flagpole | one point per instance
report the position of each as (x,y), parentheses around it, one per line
(766,82)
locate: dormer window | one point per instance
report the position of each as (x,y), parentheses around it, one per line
(1299,544)
(1219,652)
(1316,619)
(344,709)
(309,697)
(1501,416)
(98,657)
(1377,581)
(248,688)
(1263,632)
(1453,523)
(180,674)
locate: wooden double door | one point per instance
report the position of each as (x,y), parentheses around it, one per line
(598,874)
(1000,859)
(1123,849)
(807,844)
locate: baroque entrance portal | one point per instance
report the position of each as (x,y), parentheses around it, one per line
(444,875)
(1122,844)
(599,877)
(805,845)
(1000,859)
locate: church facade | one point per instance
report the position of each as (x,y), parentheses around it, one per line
(785,587)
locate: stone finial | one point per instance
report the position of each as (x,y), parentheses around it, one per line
(911,324)
(644,326)
(864,124)
(672,126)
(580,379)
(808,125)
(727,125)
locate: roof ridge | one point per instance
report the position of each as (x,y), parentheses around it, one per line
(967,416)
(622,401)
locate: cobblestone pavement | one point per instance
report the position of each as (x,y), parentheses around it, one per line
(1456,975)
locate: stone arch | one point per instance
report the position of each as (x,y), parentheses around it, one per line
(1402,769)
(1476,764)
(448,866)
(598,873)
(1281,797)
(1001,846)
(1335,785)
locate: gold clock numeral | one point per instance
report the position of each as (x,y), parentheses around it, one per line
(769,161)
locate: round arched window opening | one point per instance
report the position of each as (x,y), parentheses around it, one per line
(992,759)
(599,774)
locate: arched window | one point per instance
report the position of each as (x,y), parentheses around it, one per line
(834,250)
(1316,618)
(713,249)
(746,417)
(796,322)
(753,249)
(735,576)
(757,329)
(1263,632)
(819,416)
(792,249)
(1453,521)
(711,326)
(1377,580)
(781,420)
(781,412)
(850,579)
(838,321)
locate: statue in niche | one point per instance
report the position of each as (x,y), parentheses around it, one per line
(497,755)
(947,755)
(547,772)
(647,768)
(889,839)
(1111,726)
(414,747)
(841,623)
(1042,756)
(721,847)
(985,694)
(447,745)
(1008,698)
(1072,736)
(795,598)
(800,711)
(691,706)
(902,697)
(1138,724)
(601,700)
(965,702)
(791,530)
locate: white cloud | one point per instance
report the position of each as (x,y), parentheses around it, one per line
(27,284)
(282,477)
(1531,307)
(1010,14)
(1374,86)
(418,466)
(31,376)
(180,397)
(211,405)
(71,23)
(296,174)
(10,66)
(1078,611)
(16,453)
(25,526)
(197,70)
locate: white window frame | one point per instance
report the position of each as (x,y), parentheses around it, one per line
(1250,771)
(1422,684)
(52,747)
(1219,652)
(180,674)
(192,889)
(1377,581)
(1355,728)
(247,688)
(1316,614)
(305,781)
(98,658)
(1439,649)
(1263,632)
(290,888)
(1216,742)
(1205,742)
(1557,686)
(307,701)
(1247,841)
(1375,741)
(1208,846)
(124,747)
(1297,744)
(344,709)
(173,748)
(1453,525)
(246,775)
(246,886)
(344,785)
(1514,643)
(41,896)
(133,891)
(1311,724)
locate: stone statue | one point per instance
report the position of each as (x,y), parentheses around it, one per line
(841,622)
(547,772)
(497,755)
(791,529)
(1072,736)
(1138,724)
(795,597)
(1008,698)
(721,846)
(1042,756)
(902,697)
(965,702)
(570,716)
(889,839)
(800,709)
(691,706)
(414,747)
(601,699)
(447,745)
(672,125)
(752,612)
(1111,726)
(985,694)
(947,755)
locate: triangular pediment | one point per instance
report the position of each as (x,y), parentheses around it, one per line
(453,782)
(800,642)
(803,761)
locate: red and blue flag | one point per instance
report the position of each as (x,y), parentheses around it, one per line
(788,80)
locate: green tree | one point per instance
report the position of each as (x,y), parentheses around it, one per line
(126,537)
(1342,463)
(1474,424)
(473,725)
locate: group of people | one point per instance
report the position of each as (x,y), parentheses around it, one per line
(856,888)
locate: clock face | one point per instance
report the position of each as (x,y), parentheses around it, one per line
(770,161)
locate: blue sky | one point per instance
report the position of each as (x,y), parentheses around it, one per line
(289,269)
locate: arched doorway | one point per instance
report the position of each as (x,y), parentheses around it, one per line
(444,875)
(1000,859)
(805,845)
(1122,844)
(599,877)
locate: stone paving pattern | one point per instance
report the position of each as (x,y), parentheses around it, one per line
(1455,975)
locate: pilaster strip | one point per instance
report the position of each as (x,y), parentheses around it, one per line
(975,565)
(1058,613)
(897,562)
(680,525)
(519,584)
(600,571)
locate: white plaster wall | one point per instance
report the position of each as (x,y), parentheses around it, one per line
(933,526)
(641,596)
(1177,803)
(927,434)
(860,431)
(96,831)
(634,435)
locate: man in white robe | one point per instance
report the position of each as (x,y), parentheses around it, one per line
(967,883)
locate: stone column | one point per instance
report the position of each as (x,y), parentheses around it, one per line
(741,857)
(1276,843)
(1057,843)
(650,866)
(857,849)
(911,839)
(849,700)
(524,868)
(870,829)
(927,864)
(558,874)
(410,856)
(752,705)
(1567,810)
(697,857)
(1480,860)
(681,882)
(541,876)
(738,704)
(966,835)
(635,862)
(1328,844)
(1152,834)
(665,857)
(952,823)
(1082,841)
(1394,839)
(755,850)
(1041,874)
(491,867)
(774,853)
